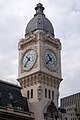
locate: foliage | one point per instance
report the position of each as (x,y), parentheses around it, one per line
(77,113)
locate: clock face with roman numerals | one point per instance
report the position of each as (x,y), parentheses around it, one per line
(29,59)
(50,59)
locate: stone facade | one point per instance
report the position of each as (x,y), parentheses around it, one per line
(39,77)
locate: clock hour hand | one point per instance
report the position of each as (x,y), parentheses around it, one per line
(28,59)
(50,59)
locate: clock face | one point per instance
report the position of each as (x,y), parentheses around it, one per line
(29,59)
(50,59)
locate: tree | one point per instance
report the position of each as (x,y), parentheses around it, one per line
(77,113)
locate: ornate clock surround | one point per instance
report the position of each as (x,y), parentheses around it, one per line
(29,59)
(50,59)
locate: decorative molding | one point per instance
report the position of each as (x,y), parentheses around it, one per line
(41,78)
(35,64)
(54,42)
(27,41)
(39,36)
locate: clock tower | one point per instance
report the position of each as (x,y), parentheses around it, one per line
(39,69)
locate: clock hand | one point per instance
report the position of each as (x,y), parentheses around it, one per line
(50,59)
(28,59)
(47,61)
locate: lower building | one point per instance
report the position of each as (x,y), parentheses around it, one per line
(63,115)
(70,103)
(12,105)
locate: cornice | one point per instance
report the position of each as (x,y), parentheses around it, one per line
(39,36)
(39,77)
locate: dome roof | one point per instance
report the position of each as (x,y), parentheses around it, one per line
(39,22)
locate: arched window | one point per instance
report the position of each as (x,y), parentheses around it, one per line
(49,94)
(52,95)
(31,93)
(45,93)
(28,94)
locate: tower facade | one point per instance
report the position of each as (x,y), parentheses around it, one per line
(39,69)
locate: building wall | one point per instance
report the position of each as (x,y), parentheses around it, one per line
(70,103)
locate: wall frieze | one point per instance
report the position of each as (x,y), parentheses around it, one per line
(39,78)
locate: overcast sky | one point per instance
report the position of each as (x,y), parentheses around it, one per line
(65,17)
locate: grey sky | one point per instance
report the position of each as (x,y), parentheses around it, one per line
(65,17)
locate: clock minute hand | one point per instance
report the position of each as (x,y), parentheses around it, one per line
(47,61)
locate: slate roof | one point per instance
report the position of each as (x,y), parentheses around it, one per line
(10,95)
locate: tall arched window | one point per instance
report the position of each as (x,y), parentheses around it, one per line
(52,95)
(28,94)
(31,93)
(45,93)
(49,94)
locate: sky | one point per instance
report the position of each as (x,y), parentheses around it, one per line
(65,17)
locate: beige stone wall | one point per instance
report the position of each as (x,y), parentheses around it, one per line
(40,42)
(37,105)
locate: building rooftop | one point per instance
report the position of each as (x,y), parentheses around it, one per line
(10,96)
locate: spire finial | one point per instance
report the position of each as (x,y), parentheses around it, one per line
(39,8)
